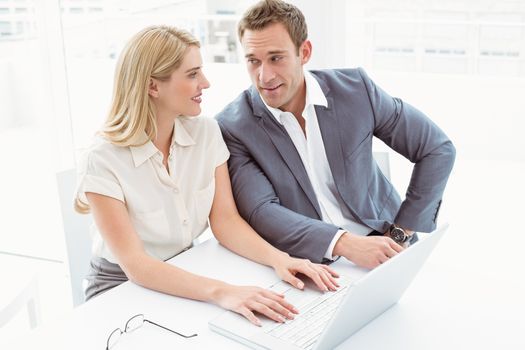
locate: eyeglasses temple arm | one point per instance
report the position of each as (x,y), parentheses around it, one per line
(182,335)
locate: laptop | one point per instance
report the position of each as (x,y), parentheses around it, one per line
(327,319)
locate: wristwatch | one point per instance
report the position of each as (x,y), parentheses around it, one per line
(397,234)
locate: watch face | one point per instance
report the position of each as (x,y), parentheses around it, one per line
(397,235)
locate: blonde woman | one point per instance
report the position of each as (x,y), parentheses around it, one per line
(157,172)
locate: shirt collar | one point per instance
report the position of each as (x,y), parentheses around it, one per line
(314,96)
(182,136)
(144,152)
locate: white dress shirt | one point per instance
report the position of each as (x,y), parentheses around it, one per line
(167,209)
(313,155)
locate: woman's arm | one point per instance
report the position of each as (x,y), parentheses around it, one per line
(113,222)
(235,234)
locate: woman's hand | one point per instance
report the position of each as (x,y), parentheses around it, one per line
(287,267)
(246,300)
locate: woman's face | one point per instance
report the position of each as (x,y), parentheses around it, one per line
(181,94)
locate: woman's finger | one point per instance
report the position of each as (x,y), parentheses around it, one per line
(329,273)
(280,299)
(328,280)
(329,269)
(314,276)
(278,306)
(250,316)
(266,311)
(294,281)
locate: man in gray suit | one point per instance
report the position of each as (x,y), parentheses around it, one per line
(301,160)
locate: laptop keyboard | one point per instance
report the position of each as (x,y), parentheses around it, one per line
(315,310)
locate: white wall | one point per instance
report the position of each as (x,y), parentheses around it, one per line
(7,107)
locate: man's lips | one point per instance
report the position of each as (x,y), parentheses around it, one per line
(271,88)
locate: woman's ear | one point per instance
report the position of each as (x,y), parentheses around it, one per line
(153,88)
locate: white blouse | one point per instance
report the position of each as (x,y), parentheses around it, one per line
(167,209)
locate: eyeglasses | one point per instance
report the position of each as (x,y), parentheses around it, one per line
(133,324)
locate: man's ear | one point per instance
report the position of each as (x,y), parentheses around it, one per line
(305,51)
(153,88)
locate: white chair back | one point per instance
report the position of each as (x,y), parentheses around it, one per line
(26,296)
(76,231)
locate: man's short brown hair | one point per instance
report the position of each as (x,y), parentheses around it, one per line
(267,12)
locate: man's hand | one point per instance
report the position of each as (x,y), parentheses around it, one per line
(366,251)
(407,232)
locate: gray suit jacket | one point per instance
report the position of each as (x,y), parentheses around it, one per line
(271,186)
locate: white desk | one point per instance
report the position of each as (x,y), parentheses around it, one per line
(444,308)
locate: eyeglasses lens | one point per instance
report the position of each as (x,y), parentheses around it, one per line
(114,338)
(134,323)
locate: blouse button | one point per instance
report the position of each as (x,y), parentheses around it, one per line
(175,190)
(185,221)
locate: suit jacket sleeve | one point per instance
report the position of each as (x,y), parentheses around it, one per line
(410,133)
(259,205)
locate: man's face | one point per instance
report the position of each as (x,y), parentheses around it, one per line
(275,68)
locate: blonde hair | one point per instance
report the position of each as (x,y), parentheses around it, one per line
(154,52)
(267,12)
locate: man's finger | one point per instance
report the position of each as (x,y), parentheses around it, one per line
(383,258)
(391,252)
(397,247)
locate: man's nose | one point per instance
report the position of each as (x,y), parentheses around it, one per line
(266,74)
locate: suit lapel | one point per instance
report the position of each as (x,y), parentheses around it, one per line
(331,134)
(285,146)
(332,141)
